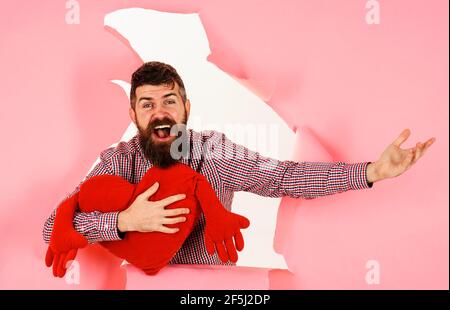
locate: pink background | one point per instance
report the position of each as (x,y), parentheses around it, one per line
(348,86)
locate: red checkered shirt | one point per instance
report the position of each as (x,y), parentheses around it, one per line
(229,169)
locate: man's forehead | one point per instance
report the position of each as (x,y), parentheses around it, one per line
(155,91)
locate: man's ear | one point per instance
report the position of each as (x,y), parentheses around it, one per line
(132,114)
(187,106)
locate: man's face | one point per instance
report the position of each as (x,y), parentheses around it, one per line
(157,109)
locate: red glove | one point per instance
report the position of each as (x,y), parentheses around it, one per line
(149,251)
(221,225)
(65,240)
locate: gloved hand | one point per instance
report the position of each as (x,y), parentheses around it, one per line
(65,240)
(221,225)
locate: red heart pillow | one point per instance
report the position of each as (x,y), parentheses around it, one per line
(152,250)
(147,251)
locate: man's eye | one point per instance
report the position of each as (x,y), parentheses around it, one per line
(146,105)
(170,102)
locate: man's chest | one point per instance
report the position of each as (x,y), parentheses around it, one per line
(133,169)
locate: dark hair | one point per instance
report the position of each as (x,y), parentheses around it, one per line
(155,73)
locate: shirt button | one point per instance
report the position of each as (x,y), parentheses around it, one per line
(106,226)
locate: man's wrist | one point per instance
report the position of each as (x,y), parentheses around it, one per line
(372,172)
(121,222)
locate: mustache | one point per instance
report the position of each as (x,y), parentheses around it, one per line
(160,154)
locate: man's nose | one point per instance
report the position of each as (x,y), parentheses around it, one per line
(159,108)
(159,114)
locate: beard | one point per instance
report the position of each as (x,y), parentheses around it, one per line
(159,152)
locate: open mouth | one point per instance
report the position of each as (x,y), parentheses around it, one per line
(162,132)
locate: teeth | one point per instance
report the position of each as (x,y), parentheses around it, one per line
(162,126)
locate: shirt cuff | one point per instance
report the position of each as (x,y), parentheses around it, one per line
(357,176)
(107,226)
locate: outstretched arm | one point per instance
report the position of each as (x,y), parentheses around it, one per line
(242,169)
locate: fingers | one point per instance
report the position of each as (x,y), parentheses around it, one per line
(402,138)
(417,152)
(70,257)
(49,257)
(408,160)
(243,221)
(421,148)
(168,230)
(239,240)
(221,251)
(150,191)
(429,142)
(209,244)
(228,252)
(64,262)
(60,261)
(55,264)
(174,212)
(61,269)
(231,249)
(427,145)
(173,220)
(171,199)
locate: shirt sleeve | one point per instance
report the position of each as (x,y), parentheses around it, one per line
(95,226)
(244,170)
